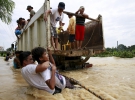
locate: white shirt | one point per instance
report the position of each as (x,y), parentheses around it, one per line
(38,79)
(35,79)
(55,17)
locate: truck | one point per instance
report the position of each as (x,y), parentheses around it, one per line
(37,33)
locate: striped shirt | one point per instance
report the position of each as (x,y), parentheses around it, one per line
(80,20)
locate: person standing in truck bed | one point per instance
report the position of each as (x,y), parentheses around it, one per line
(80,27)
(55,15)
(71,30)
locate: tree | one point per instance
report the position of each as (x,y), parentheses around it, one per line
(121,47)
(6,10)
(8,49)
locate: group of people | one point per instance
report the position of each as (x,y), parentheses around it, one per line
(44,74)
(21,22)
(39,70)
(76,28)
(16,62)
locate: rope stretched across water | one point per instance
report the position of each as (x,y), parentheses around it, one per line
(78,83)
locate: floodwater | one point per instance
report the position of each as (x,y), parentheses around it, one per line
(111,78)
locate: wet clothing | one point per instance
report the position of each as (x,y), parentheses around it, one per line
(38,80)
(15,64)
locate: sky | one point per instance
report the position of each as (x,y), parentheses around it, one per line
(118,18)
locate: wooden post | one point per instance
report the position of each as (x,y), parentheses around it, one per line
(47,23)
(79,15)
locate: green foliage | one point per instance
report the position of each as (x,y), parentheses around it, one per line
(6,10)
(121,47)
(104,54)
(3,53)
(122,51)
(8,49)
(124,54)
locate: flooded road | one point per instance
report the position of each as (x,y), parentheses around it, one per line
(111,78)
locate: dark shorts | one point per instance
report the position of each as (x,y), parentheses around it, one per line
(54,32)
(71,37)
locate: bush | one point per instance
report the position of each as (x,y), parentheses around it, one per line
(122,54)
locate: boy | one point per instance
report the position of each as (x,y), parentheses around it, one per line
(71,30)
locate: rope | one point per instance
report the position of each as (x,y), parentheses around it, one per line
(78,83)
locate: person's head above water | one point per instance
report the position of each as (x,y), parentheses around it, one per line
(26,58)
(39,54)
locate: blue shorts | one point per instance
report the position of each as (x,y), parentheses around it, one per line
(17,32)
(71,37)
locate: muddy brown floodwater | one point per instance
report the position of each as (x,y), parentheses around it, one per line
(112,78)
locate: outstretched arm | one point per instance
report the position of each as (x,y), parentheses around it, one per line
(85,16)
(46,14)
(51,57)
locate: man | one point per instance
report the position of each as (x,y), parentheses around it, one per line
(80,26)
(21,23)
(71,30)
(7,57)
(32,12)
(55,15)
(42,76)
(16,62)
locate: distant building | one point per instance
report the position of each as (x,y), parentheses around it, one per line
(1,48)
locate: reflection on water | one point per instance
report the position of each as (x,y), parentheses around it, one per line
(112,78)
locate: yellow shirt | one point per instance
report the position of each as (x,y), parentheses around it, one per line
(71,26)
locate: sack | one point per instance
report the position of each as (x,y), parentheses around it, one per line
(18,32)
